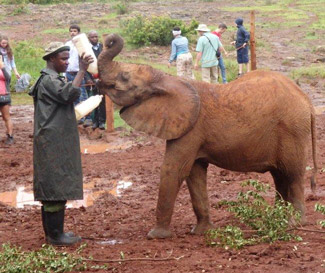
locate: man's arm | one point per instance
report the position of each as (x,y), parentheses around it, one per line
(198,59)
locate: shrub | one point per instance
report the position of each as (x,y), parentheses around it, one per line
(155,30)
(121,8)
(267,223)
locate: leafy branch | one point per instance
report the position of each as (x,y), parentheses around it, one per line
(267,223)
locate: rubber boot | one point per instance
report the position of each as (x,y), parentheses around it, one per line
(71,234)
(54,222)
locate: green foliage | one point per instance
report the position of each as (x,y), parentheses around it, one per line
(121,8)
(14,260)
(155,30)
(267,223)
(28,58)
(311,72)
(20,9)
(321,209)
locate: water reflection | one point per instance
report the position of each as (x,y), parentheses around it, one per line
(92,191)
(104,147)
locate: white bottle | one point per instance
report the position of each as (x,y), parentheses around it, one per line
(85,107)
(83,45)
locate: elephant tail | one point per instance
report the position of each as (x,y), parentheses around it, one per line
(313,141)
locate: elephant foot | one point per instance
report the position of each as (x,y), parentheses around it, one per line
(201,228)
(159,233)
(294,222)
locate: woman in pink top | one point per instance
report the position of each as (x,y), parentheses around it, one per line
(4,107)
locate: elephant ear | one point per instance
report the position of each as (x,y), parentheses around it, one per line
(169,113)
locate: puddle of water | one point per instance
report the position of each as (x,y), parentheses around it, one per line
(319,110)
(109,242)
(21,197)
(104,147)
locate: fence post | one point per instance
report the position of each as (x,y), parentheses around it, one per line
(252,41)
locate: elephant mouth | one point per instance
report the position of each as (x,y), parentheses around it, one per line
(124,108)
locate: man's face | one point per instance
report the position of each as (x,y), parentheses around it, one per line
(60,61)
(222,30)
(73,32)
(93,38)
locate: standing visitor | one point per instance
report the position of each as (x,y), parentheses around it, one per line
(5,100)
(99,115)
(8,56)
(241,44)
(181,54)
(219,31)
(56,157)
(72,71)
(207,47)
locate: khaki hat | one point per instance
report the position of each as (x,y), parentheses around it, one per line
(54,48)
(203,27)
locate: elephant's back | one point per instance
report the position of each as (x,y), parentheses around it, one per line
(258,93)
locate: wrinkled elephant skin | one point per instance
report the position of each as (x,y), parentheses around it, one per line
(258,123)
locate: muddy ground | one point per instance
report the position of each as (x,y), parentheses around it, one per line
(116,216)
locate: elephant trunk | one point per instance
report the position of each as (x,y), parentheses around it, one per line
(113,45)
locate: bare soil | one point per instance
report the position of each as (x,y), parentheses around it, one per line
(117,223)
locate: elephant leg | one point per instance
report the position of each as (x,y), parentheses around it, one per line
(197,185)
(281,185)
(176,167)
(291,188)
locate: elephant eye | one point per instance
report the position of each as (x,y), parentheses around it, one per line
(124,76)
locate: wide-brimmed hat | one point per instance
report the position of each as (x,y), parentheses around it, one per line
(203,27)
(54,48)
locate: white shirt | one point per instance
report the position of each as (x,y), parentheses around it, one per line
(73,59)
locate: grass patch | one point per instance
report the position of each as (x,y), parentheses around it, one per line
(21,99)
(311,72)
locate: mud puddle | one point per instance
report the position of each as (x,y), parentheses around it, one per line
(24,197)
(88,148)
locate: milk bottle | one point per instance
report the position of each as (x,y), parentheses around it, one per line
(85,107)
(82,44)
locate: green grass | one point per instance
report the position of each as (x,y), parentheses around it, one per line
(21,99)
(314,71)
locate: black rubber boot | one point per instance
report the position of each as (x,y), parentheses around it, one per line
(53,227)
(70,233)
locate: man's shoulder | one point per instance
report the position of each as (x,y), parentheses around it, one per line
(69,43)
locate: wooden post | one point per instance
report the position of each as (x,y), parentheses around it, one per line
(109,114)
(109,107)
(252,41)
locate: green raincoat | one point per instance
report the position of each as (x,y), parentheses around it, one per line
(57,159)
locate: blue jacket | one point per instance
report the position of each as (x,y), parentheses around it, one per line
(243,36)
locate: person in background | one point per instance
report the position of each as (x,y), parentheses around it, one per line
(72,71)
(8,56)
(5,106)
(99,115)
(206,47)
(219,31)
(241,44)
(181,54)
(56,156)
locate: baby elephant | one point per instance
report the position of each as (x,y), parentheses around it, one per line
(261,122)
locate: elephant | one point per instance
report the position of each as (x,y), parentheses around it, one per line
(260,122)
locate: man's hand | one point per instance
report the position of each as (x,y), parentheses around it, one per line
(233,42)
(196,67)
(169,64)
(84,61)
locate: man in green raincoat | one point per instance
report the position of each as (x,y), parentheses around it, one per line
(57,160)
